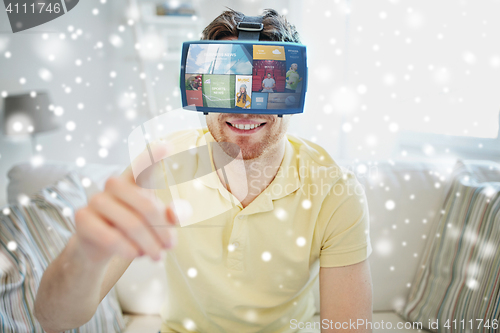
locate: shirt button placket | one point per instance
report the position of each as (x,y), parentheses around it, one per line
(235,255)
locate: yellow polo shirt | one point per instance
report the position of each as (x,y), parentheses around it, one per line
(251,269)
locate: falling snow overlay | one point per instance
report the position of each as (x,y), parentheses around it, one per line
(397,91)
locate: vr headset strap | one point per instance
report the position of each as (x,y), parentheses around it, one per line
(250,27)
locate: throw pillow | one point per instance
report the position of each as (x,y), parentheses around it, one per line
(457,288)
(32,234)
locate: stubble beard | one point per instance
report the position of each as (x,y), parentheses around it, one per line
(250,151)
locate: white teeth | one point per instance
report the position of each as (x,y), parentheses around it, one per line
(245,127)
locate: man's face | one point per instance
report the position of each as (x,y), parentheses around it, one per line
(266,132)
(268,75)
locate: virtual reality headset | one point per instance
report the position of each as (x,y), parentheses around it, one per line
(244,75)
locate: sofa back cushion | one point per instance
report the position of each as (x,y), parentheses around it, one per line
(458,281)
(403,198)
(32,234)
(26,179)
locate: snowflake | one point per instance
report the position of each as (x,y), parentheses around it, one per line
(192,272)
(12,246)
(301,241)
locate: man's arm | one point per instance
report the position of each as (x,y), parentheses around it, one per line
(346,295)
(80,285)
(117,225)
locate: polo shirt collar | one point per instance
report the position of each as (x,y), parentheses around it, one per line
(286,181)
(212,180)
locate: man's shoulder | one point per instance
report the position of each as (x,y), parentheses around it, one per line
(327,183)
(308,151)
(316,165)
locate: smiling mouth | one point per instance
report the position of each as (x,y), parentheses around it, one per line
(245,127)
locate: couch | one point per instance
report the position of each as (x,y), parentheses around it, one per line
(405,198)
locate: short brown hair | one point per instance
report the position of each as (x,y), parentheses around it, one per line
(276,27)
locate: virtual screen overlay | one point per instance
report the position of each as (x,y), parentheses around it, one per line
(189,167)
(254,77)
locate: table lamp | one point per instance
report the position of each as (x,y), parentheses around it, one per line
(28,114)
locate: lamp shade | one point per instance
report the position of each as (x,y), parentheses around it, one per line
(28,114)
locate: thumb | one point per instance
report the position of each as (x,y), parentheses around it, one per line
(171,216)
(179,212)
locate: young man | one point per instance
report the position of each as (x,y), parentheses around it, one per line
(298,215)
(268,84)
